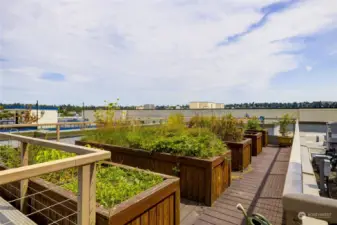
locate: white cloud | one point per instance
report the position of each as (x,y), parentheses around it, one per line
(149,51)
(308,68)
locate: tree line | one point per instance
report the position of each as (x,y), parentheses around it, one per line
(278,105)
(266,105)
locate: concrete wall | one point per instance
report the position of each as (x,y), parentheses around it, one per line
(307,115)
(319,115)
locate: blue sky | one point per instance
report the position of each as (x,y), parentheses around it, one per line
(167,52)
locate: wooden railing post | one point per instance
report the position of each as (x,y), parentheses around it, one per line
(57,132)
(86,203)
(23,183)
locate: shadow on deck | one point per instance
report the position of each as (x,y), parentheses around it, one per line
(259,191)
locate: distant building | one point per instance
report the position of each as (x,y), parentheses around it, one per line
(46,114)
(149,106)
(139,107)
(206,105)
(219,105)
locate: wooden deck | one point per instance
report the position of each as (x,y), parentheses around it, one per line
(259,190)
(11,216)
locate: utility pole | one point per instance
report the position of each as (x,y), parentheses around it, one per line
(37,111)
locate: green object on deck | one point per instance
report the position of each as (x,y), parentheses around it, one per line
(254,219)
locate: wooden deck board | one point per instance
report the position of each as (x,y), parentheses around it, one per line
(11,216)
(259,191)
(190,211)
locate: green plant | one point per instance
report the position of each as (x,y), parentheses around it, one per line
(176,120)
(253,124)
(284,121)
(176,170)
(227,127)
(106,117)
(9,156)
(170,138)
(115,185)
(6,114)
(201,121)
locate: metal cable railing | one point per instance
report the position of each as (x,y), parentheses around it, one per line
(21,183)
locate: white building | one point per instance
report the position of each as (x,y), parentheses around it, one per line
(149,106)
(206,105)
(45,114)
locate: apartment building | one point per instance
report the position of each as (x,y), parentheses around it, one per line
(206,105)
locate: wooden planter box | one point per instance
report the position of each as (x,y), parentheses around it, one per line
(241,154)
(285,141)
(157,205)
(264,136)
(201,180)
(256,142)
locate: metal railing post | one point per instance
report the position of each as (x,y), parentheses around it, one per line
(86,195)
(23,183)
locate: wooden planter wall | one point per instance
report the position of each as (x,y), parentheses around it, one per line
(264,136)
(256,142)
(241,154)
(157,205)
(201,180)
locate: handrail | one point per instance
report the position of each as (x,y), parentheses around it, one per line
(293,182)
(85,161)
(50,144)
(295,202)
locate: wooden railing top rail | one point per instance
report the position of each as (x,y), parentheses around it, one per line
(50,144)
(85,162)
(25,172)
(86,156)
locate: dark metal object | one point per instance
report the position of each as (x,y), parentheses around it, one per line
(37,111)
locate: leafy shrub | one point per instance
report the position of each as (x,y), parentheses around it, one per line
(285,120)
(201,121)
(254,124)
(169,138)
(227,127)
(6,115)
(9,156)
(106,117)
(113,184)
(176,120)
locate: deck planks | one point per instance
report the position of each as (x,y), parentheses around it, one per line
(259,191)
(11,216)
